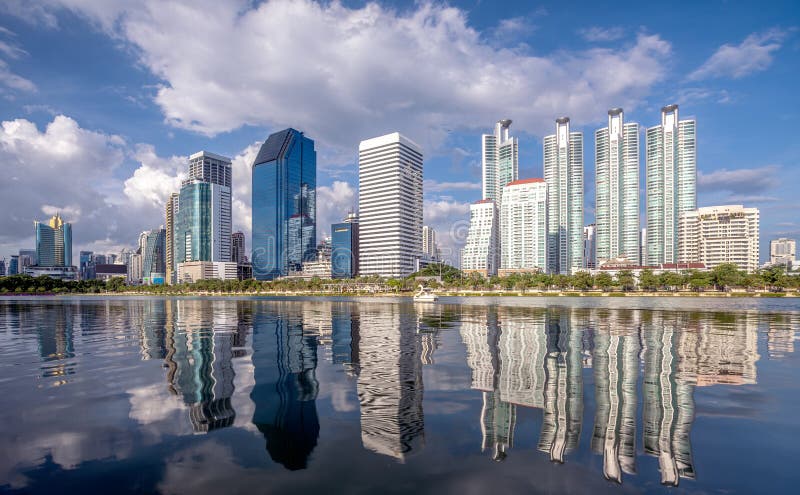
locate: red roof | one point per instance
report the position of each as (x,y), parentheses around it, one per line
(524,181)
(481,201)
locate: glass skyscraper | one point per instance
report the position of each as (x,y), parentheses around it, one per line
(617,192)
(499,160)
(344,248)
(284,204)
(671,169)
(563,173)
(54,242)
(153,258)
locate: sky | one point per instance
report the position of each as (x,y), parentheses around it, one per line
(102,101)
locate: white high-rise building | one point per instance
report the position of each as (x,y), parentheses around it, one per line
(783,251)
(590,246)
(617,189)
(671,177)
(499,160)
(523,221)
(720,234)
(390,205)
(563,173)
(430,249)
(481,254)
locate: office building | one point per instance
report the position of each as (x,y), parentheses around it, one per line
(107,272)
(720,234)
(523,226)
(238,255)
(617,189)
(2,267)
(53,242)
(783,251)
(153,257)
(172,207)
(284,204)
(202,230)
(27,257)
(671,182)
(390,205)
(135,268)
(481,253)
(430,249)
(499,160)
(563,173)
(590,246)
(344,248)
(86,265)
(192,271)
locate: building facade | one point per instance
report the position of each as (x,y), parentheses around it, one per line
(783,251)
(238,255)
(523,226)
(499,160)
(720,234)
(563,173)
(53,242)
(344,248)
(481,253)
(154,257)
(390,205)
(671,182)
(192,271)
(284,204)
(617,189)
(172,207)
(590,246)
(430,249)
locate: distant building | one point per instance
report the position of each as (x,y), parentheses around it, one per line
(13,265)
(720,234)
(53,242)
(390,205)
(563,173)
(135,268)
(192,271)
(617,189)
(154,259)
(523,225)
(172,207)
(2,267)
(107,272)
(671,182)
(238,255)
(284,204)
(86,265)
(643,246)
(430,249)
(499,160)
(344,248)
(783,251)
(589,247)
(481,253)
(58,272)
(27,257)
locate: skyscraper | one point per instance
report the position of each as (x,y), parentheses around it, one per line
(284,204)
(481,253)
(499,160)
(390,205)
(13,265)
(237,248)
(783,251)
(720,234)
(617,191)
(590,246)
(202,228)
(86,265)
(54,242)
(429,246)
(27,257)
(153,257)
(523,221)
(172,208)
(563,173)
(344,248)
(671,182)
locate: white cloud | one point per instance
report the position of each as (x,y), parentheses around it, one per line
(743,181)
(344,74)
(754,54)
(599,34)
(12,82)
(333,204)
(450,219)
(431,185)
(156,178)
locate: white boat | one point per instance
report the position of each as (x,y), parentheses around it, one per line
(425,294)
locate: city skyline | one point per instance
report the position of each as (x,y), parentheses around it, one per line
(144,152)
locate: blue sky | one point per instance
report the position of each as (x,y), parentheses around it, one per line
(102,101)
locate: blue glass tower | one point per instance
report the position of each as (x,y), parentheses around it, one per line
(344,250)
(284,204)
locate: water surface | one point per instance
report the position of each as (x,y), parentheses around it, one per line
(334,395)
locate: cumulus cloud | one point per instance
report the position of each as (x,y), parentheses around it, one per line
(431,185)
(333,203)
(741,182)
(754,54)
(344,74)
(599,34)
(450,219)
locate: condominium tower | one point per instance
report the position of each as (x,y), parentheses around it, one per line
(430,250)
(390,205)
(720,234)
(481,253)
(617,189)
(169,257)
(671,182)
(499,160)
(202,226)
(783,251)
(563,173)
(523,225)
(284,205)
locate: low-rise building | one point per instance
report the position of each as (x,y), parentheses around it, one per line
(193,271)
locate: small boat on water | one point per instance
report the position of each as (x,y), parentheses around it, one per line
(425,294)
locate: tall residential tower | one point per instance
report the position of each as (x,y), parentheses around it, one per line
(617,189)
(563,173)
(499,160)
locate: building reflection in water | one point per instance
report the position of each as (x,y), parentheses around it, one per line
(390,381)
(286,387)
(56,343)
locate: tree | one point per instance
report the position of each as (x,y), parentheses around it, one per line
(725,275)
(626,280)
(604,281)
(583,281)
(699,280)
(647,280)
